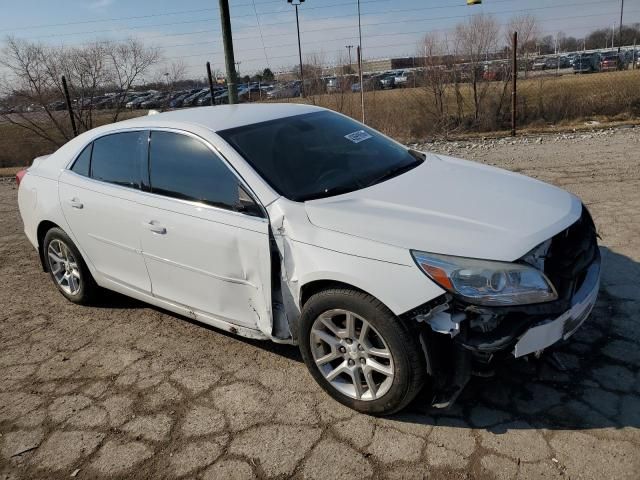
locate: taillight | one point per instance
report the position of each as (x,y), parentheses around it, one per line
(19,175)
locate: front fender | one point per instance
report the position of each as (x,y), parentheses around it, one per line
(400,287)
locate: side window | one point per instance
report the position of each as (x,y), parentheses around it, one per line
(116,158)
(183,167)
(83,162)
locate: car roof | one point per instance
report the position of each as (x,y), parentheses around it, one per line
(220,117)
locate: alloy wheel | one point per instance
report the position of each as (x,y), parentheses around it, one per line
(351,355)
(64,267)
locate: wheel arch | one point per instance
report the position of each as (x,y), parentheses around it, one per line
(43,227)
(311,288)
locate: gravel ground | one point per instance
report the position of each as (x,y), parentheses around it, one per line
(122,390)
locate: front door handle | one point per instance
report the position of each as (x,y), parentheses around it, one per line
(155,227)
(75,203)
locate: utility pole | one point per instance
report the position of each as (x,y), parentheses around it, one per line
(514,89)
(620,29)
(297,3)
(349,47)
(229,60)
(360,62)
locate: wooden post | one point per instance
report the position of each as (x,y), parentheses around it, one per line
(69,109)
(361,81)
(514,98)
(210,83)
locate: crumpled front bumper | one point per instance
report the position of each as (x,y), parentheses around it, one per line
(546,333)
(459,343)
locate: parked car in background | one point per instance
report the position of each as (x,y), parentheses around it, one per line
(57,105)
(204,100)
(341,83)
(192,99)
(586,63)
(387,81)
(370,83)
(611,61)
(136,102)
(289,90)
(539,63)
(156,101)
(401,78)
(299,225)
(333,84)
(178,100)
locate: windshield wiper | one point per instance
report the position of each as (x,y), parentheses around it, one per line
(395,171)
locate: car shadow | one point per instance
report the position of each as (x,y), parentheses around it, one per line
(591,381)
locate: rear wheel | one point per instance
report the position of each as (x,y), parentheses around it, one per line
(359,352)
(67,268)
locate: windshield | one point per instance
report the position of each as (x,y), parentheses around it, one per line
(319,154)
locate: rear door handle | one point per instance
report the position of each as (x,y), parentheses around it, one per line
(155,227)
(75,203)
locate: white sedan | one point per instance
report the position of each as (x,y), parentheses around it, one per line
(295,224)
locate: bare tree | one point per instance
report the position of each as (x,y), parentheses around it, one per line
(435,75)
(34,74)
(477,38)
(177,72)
(171,74)
(130,60)
(312,69)
(29,83)
(528,31)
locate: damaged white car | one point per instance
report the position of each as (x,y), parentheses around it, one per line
(292,223)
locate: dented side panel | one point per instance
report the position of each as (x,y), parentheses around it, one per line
(310,254)
(214,261)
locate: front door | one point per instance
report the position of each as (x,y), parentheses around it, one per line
(204,240)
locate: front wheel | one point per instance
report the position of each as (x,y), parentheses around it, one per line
(360,352)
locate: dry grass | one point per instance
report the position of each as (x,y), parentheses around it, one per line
(9,171)
(542,102)
(409,115)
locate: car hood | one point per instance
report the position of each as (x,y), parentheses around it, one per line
(454,207)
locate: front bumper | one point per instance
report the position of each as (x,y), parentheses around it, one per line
(546,333)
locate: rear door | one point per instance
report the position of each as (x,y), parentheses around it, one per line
(205,240)
(99,195)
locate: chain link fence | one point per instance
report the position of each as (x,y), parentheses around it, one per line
(450,99)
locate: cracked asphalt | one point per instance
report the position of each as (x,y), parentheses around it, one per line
(123,390)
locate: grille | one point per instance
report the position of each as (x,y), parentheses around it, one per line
(570,254)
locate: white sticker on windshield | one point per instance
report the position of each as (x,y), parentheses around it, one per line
(359,136)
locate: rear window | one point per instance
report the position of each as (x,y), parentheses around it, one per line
(83,162)
(117,158)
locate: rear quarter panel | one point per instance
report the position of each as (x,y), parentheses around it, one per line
(37,202)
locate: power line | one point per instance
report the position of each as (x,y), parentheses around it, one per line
(266,57)
(135,17)
(413,32)
(262,36)
(157,15)
(337,51)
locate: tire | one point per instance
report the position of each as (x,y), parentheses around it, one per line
(83,289)
(386,334)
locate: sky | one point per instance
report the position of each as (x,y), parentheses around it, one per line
(264,31)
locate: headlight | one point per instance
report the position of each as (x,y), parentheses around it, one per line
(485,282)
